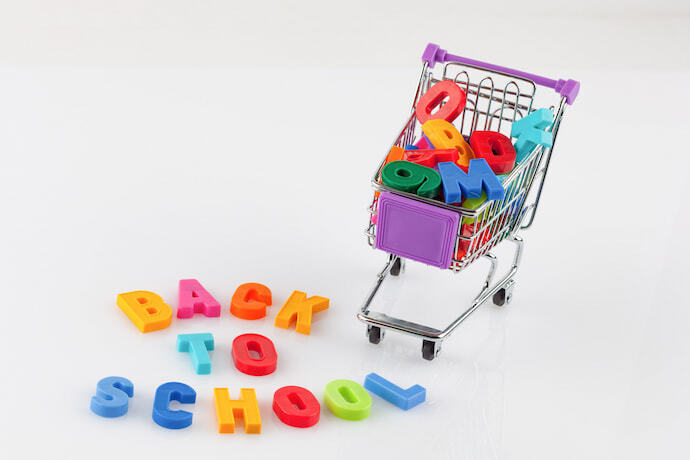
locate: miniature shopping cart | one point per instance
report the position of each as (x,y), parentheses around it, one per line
(455,237)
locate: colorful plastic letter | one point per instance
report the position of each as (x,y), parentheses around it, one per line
(296,406)
(146,309)
(266,360)
(431,157)
(473,203)
(395,154)
(299,308)
(198,346)
(404,399)
(443,135)
(173,419)
(411,147)
(246,408)
(112,397)
(463,245)
(250,301)
(458,185)
(347,400)
(412,178)
(433,98)
(193,298)
(530,132)
(495,148)
(423,143)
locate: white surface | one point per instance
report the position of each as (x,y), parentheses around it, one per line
(588,34)
(121,179)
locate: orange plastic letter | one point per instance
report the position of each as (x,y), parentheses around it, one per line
(443,135)
(250,301)
(396,154)
(246,408)
(146,309)
(298,306)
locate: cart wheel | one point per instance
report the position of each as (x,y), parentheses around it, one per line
(430,349)
(504,295)
(395,269)
(500,297)
(375,334)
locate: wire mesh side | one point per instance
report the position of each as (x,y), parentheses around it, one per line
(476,236)
(494,102)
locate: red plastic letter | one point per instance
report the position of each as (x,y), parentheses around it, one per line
(296,406)
(431,157)
(435,95)
(262,346)
(495,148)
(250,301)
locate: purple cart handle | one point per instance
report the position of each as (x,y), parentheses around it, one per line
(566,88)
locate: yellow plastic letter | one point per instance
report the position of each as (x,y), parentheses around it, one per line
(246,408)
(146,309)
(443,135)
(301,308)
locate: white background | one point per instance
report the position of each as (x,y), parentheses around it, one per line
(146,142)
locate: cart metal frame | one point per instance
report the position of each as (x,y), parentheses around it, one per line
(496,97)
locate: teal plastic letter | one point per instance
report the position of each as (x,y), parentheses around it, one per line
(198,346)
(530,132)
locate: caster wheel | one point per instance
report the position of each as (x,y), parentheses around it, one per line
(375,334)
(430,349)
(395,269)
(500,297)
(504,295)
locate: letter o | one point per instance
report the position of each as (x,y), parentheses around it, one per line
(242,347)
(296,406)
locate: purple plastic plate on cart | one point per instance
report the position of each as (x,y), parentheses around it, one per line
(415,230)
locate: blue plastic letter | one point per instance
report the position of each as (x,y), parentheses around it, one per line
(112,397)
(198,346)
(173,391)
(529,132)
(458,185)
(404,399)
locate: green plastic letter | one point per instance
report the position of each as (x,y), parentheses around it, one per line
(412,177)
(348,400)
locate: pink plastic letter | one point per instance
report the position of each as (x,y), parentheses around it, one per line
(193,298)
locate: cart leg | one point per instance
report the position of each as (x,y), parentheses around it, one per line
(376,333)
(380,277)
